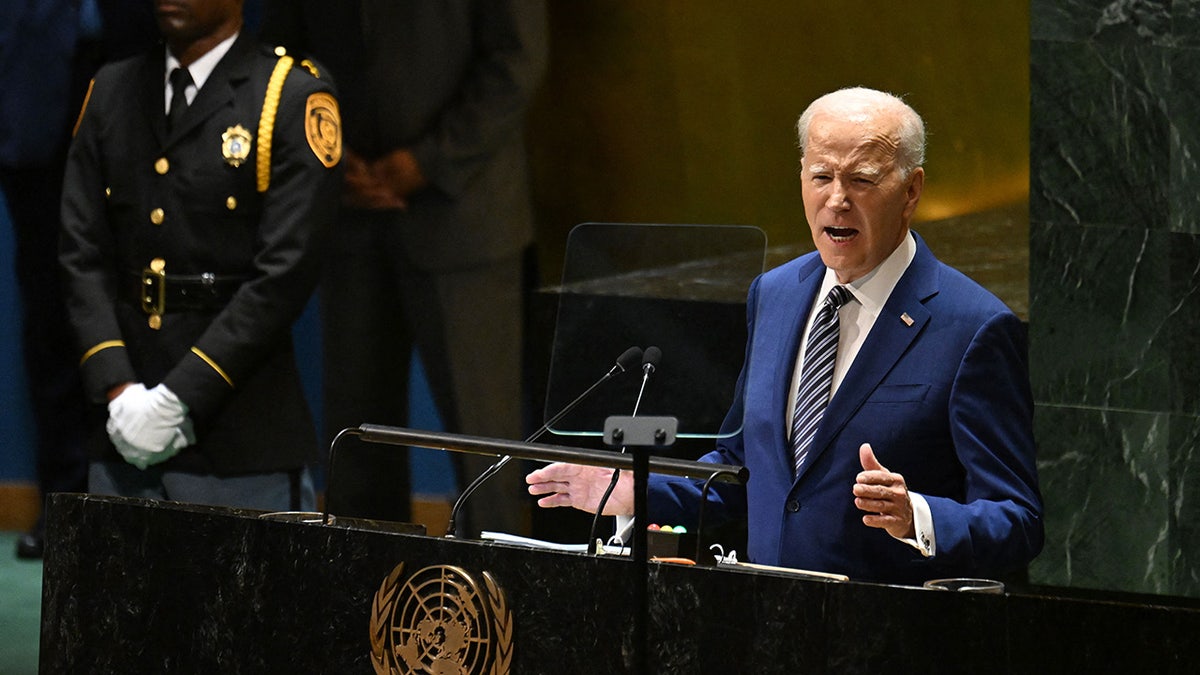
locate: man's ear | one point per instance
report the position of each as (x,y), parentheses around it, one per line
(916,183)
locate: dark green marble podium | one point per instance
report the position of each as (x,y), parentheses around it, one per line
(132,586)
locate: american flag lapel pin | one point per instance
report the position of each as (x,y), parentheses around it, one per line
(908,320)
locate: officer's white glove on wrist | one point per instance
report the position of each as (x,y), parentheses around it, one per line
(148,426)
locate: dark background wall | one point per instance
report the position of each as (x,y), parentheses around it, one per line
(1114,308)
(673,112)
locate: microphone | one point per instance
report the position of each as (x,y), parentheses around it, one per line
(650,359)
(625,362)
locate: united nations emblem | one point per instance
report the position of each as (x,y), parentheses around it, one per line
(440,621)
(235,145)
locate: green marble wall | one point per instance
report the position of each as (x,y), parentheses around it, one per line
(1114,302)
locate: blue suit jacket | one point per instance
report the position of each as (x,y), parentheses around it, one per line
(944,401)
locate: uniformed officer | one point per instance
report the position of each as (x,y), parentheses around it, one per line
(197,187)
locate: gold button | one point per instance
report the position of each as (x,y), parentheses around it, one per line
(157,216)
(231,202)
(157,265)
(280,51)
(155,321)
(162,166)
(107,192)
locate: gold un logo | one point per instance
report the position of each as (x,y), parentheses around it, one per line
(440,621)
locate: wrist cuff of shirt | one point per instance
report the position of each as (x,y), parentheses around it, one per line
(924,539)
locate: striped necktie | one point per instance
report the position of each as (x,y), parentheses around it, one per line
(816,376)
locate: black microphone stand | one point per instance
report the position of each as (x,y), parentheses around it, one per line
(639,434)
(626,360)
(649,363)
(352,431)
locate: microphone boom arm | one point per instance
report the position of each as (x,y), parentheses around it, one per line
(624,362)
(479,445)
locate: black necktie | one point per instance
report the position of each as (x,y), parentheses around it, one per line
(180,79)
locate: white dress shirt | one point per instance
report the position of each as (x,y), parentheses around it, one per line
(200,69)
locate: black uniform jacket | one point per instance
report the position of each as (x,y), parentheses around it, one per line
(189,202)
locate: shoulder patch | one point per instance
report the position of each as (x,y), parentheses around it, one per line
(323,127)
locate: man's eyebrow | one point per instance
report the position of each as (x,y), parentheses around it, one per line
(818,167)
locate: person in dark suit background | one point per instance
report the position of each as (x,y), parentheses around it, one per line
(436,218)
(198,187)
(922,462)
(49,49)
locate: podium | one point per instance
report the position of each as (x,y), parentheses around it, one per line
(134,586)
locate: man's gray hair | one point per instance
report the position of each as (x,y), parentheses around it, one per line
(910,150)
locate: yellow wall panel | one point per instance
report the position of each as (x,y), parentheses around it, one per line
(684,112)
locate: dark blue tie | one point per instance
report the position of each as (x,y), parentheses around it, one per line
(816,375)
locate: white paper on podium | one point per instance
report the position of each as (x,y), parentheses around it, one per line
(529,542)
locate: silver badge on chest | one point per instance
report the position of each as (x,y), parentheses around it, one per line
(235,145)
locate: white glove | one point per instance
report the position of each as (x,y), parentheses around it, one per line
(148,426)
(142,458)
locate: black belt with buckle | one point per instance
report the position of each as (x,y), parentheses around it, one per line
(159,293)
